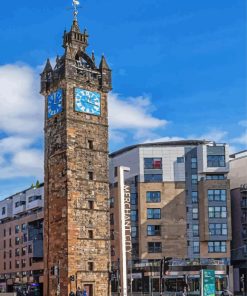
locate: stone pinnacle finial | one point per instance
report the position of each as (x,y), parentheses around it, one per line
(93,57)
(48,67)
(103,63)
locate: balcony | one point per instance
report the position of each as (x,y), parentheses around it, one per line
(38,203)
(6,211)
(19,209)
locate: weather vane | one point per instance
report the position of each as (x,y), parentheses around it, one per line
(75,4)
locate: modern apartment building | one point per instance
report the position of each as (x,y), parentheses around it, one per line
(21,243)
(180,208)
(238,181)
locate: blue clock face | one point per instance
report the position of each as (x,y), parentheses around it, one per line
(87,101)
(55,101)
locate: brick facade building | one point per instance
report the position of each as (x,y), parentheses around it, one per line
(21,244)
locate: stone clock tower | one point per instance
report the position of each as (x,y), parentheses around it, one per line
(77,248)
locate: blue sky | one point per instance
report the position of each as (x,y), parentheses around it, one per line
(179,71)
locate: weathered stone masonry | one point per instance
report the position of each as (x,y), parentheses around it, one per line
(76,144)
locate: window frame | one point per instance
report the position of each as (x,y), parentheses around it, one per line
(156,247)
(151,198)
(153,232)
(151,163)
(153,216)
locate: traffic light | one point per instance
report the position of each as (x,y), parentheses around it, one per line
(166,264)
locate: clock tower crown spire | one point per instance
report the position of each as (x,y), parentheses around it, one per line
(76,64)
(75,37)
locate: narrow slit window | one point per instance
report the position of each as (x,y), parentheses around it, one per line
(90,176)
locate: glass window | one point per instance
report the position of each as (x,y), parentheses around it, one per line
(17,228)
(24,237)
(153,230)
(111,200)
(30,249)
(180,159)
(194,196)
(216,160)
(218,229)
(24,227)
(193,162)
(23,251)
(35,197)
(152,163)
(17,264)
(133,199)
(3,211)
(196,247)
(217,195)
(154,247)
(111,219)
(134,215)
(194,179)
(195,213)
(153,213)
(134,231)
(153,196)
(215,177)
(17,252)
(17,240)
(217,247)
(195,228)
(153,178)
(135,249)
(217,212)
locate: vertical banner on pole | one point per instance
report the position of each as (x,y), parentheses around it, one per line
(124,228)
(208,282)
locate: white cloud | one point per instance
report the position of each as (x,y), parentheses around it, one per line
(164,139)
(21,106)
(21,122)
(132,113)
(215,135)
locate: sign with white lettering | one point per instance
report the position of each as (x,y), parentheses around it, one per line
(124,227)
(127,219)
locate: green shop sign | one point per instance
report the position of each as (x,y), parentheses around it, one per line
(208,282)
